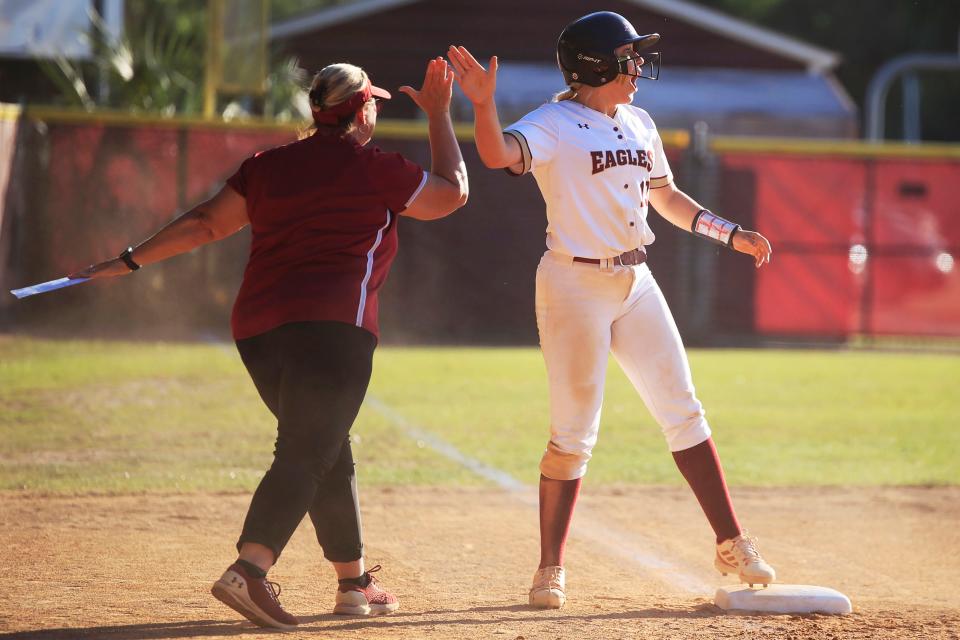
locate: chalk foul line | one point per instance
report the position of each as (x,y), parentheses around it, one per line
(634,548)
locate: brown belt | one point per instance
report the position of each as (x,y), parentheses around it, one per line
(626,259)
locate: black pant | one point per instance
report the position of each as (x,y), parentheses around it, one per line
(313,377)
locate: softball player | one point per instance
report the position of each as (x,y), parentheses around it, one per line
(323,213)
(599,162)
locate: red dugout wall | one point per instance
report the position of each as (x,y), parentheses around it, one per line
(83,185)
(865,238)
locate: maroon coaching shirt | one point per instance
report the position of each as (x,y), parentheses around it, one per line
(324,217)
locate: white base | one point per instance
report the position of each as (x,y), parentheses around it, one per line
(783,598)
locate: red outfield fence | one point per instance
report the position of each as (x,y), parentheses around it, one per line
(866,243)
(865,237)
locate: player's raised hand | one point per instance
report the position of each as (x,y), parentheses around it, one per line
(477,83)
(754,244)
(434,96)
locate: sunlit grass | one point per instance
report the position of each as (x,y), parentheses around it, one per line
(119,417)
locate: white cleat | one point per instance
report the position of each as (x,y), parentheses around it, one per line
(547,591)
(740,556)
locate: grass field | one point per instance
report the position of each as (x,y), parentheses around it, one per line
(124,417)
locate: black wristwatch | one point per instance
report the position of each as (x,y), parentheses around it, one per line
(128,260)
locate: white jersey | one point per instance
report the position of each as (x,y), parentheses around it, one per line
(595,173)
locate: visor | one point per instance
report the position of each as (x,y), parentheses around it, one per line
(646,41)
(351,105)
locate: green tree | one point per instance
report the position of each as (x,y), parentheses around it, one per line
(155,65)
(158,64)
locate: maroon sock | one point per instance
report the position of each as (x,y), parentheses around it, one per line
(700,465)
(557,499)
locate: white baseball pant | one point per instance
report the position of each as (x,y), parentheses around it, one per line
(585,311)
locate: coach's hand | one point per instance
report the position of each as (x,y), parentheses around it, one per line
(107,269)
(477,83)
(434,97)
(754,244)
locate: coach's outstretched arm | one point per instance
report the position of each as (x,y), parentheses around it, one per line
(447,188)
(683,211)
(222,215)
(496,150)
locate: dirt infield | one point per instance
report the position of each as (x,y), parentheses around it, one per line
(639,562)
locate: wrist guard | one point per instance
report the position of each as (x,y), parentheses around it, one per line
(709,225)
(128,259)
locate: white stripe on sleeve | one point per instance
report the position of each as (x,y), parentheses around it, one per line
(423,183)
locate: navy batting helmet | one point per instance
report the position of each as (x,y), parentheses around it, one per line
(586,50)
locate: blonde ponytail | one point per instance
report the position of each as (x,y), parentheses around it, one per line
(568,94)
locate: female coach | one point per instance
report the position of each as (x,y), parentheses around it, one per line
(599,161)
(323,215)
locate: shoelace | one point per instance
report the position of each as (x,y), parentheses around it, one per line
(274,590)
(551,579)
(747,546)
(373,570)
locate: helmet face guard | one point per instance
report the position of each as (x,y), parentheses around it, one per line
(648,69)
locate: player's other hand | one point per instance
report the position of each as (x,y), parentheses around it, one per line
(754,244)
(108,269)
(434,97)
(477,83)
